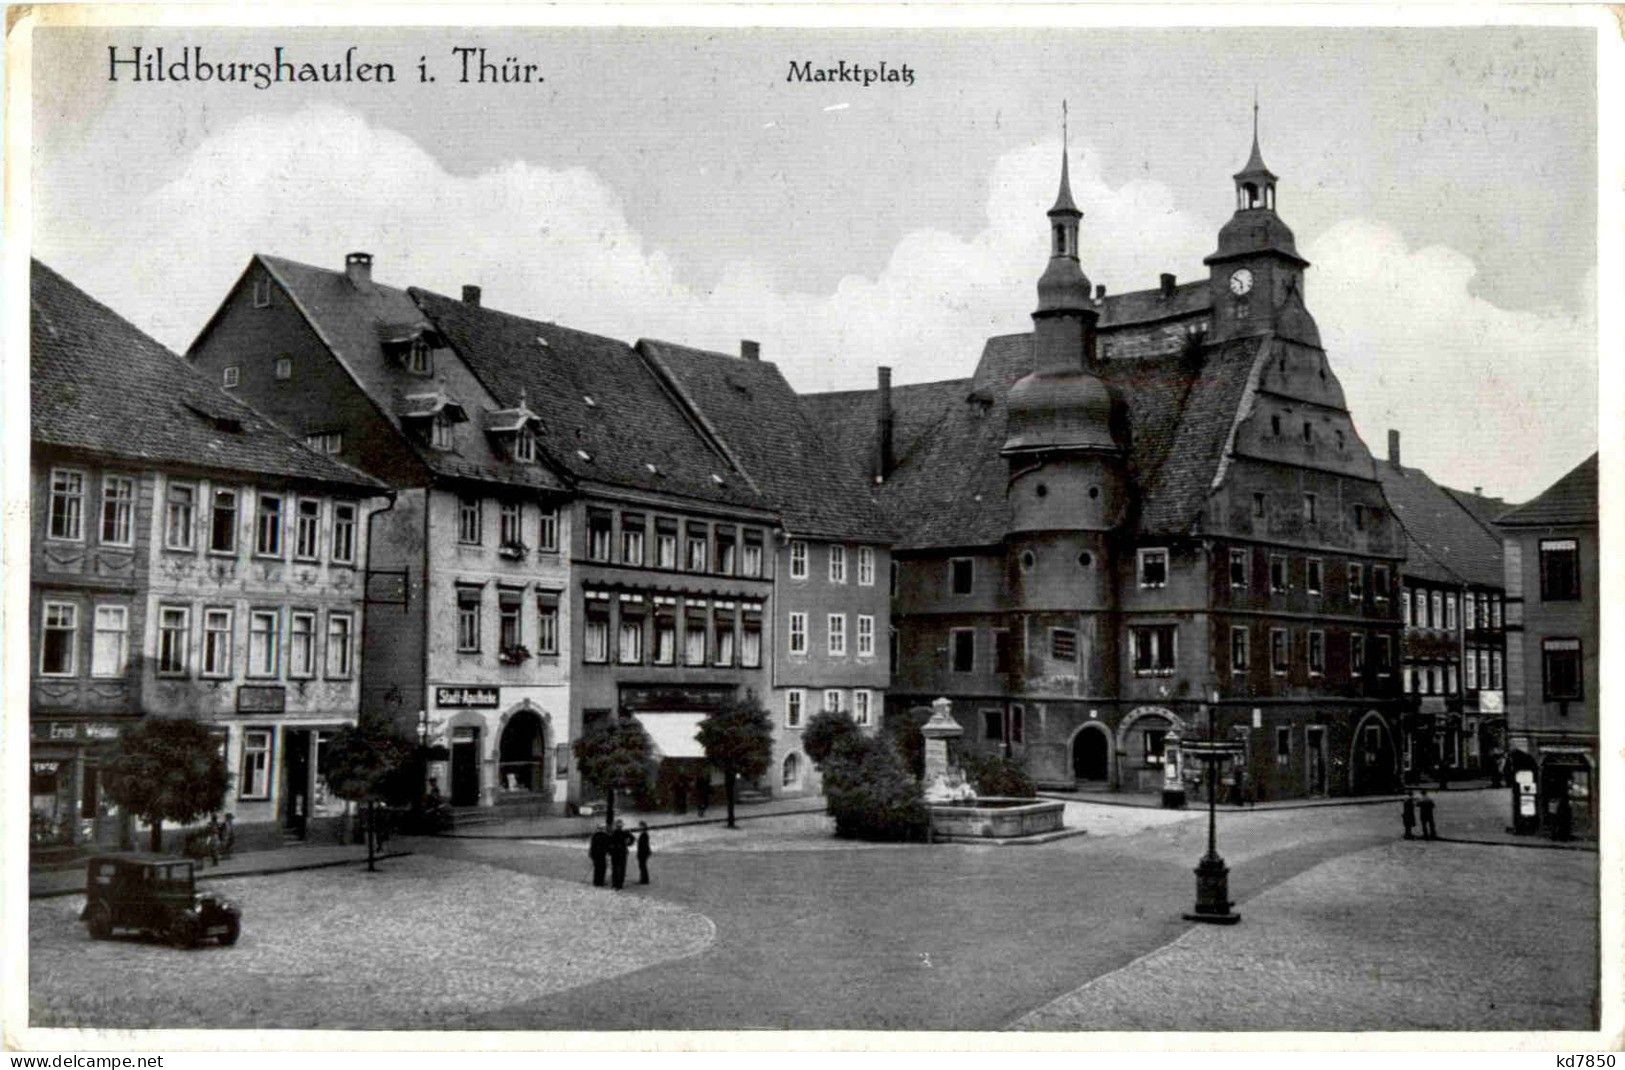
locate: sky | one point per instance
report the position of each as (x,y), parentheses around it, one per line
(676,184)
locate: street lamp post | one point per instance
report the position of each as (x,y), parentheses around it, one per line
(1212,875)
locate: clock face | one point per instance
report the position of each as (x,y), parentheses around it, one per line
(1241,282)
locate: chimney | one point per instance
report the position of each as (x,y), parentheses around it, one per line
(1167,286)
(471,295)
(1393,447)
(883,460)
(1478,491)
(1100,292)
(358,268)
(749,350)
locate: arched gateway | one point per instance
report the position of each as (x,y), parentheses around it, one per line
(1092,754)
(522,753)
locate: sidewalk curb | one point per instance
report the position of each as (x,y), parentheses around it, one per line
(1231,808)
(587,835)
(269,871)
(1538,846)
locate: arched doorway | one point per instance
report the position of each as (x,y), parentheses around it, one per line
(1373,757)
(520,752)
(1091,754)
(1141,745)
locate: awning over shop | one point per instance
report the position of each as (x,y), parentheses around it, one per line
(673,733)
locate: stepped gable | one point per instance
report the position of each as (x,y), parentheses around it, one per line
(596,397)
(101,385)
(354,322)
(1571,500)
(751,409)
(948,488)
(1444,540)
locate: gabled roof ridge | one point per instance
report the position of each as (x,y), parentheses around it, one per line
(1566,486)
(692,411)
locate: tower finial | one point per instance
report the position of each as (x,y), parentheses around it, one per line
(1255,115)
(1063,127)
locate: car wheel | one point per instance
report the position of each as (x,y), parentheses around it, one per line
(185,931)
(99,920)
(233,929)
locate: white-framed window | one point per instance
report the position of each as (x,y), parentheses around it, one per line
(798,560)
(59,639)
(118,511)
(67,518)
(217,643)
(837,563)
(307,529)
(301,645)
(255,780)
(1153,570)
(794,700)
(1311,574)
(228,376)
(866,566)
(631,640)
(174,635)
(110,641)
(1451,678)
(268,526)
(1317,653)
(547,535)
(1437,620)
(1239,655)
(798,633)
(665,543)
(595,637)
(470,522)
(1356,583)
(344,514)
(861,698)
(468,620)
(180,510)
(1408,681)
(1405,606)
(1495,670)
(699,547)
(1471,669)
(284,368)
(750,553)
(791,777)
(264,642)
(837,635)
(417,357)
(727,550)
(510,524)
(1450,612)
(524,446)
(223,521)
(866,636)
(665,641)
(832,700)
(631,539)
(722,628)
(340,646)
(329,442)
(750,637)
(547,622)
(694,637)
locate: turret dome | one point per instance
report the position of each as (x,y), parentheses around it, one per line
(1059,409)
(1255,230)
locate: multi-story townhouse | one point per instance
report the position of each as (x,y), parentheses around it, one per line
(467,640)
(1150,512)
(189,559)
(1453,651)
(1553,614)
(832,623)
(672,573)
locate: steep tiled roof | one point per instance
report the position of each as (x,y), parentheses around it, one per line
(596,397)
(753,411)
(948,486)
(1484,509)
(1444,539)
(99,384)
(1144,306)
(1571,500)
(355,321)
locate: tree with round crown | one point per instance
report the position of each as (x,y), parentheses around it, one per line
(168,769)
(615,755)
(738,741)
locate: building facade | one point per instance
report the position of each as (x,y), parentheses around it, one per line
(1452,607)
(1149,516)
(1553,612)
(189,559)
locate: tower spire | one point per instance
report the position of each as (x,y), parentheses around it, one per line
(1063,199)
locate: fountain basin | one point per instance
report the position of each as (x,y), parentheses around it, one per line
(996,818)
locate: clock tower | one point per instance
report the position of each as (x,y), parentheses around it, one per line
(1256,266)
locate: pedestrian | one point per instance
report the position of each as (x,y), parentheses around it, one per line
(228,835)
(214,839)
(619,841)
(1496,775)
(1407,814)
(643,852)
(1429,832)
(598,852)
(702,793)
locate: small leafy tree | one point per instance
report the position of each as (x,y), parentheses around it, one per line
(825,730)
(370,763)
(738,740)
(998,775)
(870,793)
(168,769)
(615,755)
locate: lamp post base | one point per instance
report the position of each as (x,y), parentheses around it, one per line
(1213,893)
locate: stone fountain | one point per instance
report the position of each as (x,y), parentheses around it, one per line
(959,815)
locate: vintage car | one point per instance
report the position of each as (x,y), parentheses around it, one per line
(157,896)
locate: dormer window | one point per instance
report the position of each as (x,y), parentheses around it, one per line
(440,433)
(431,416)
(409,344)
(418,358)
(524,446)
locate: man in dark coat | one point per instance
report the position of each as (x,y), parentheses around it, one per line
(702,793)
(1426,807)
(1407,814)
(643,852)
(598,851)
(620,841)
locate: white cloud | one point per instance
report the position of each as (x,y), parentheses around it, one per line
(1474,388)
